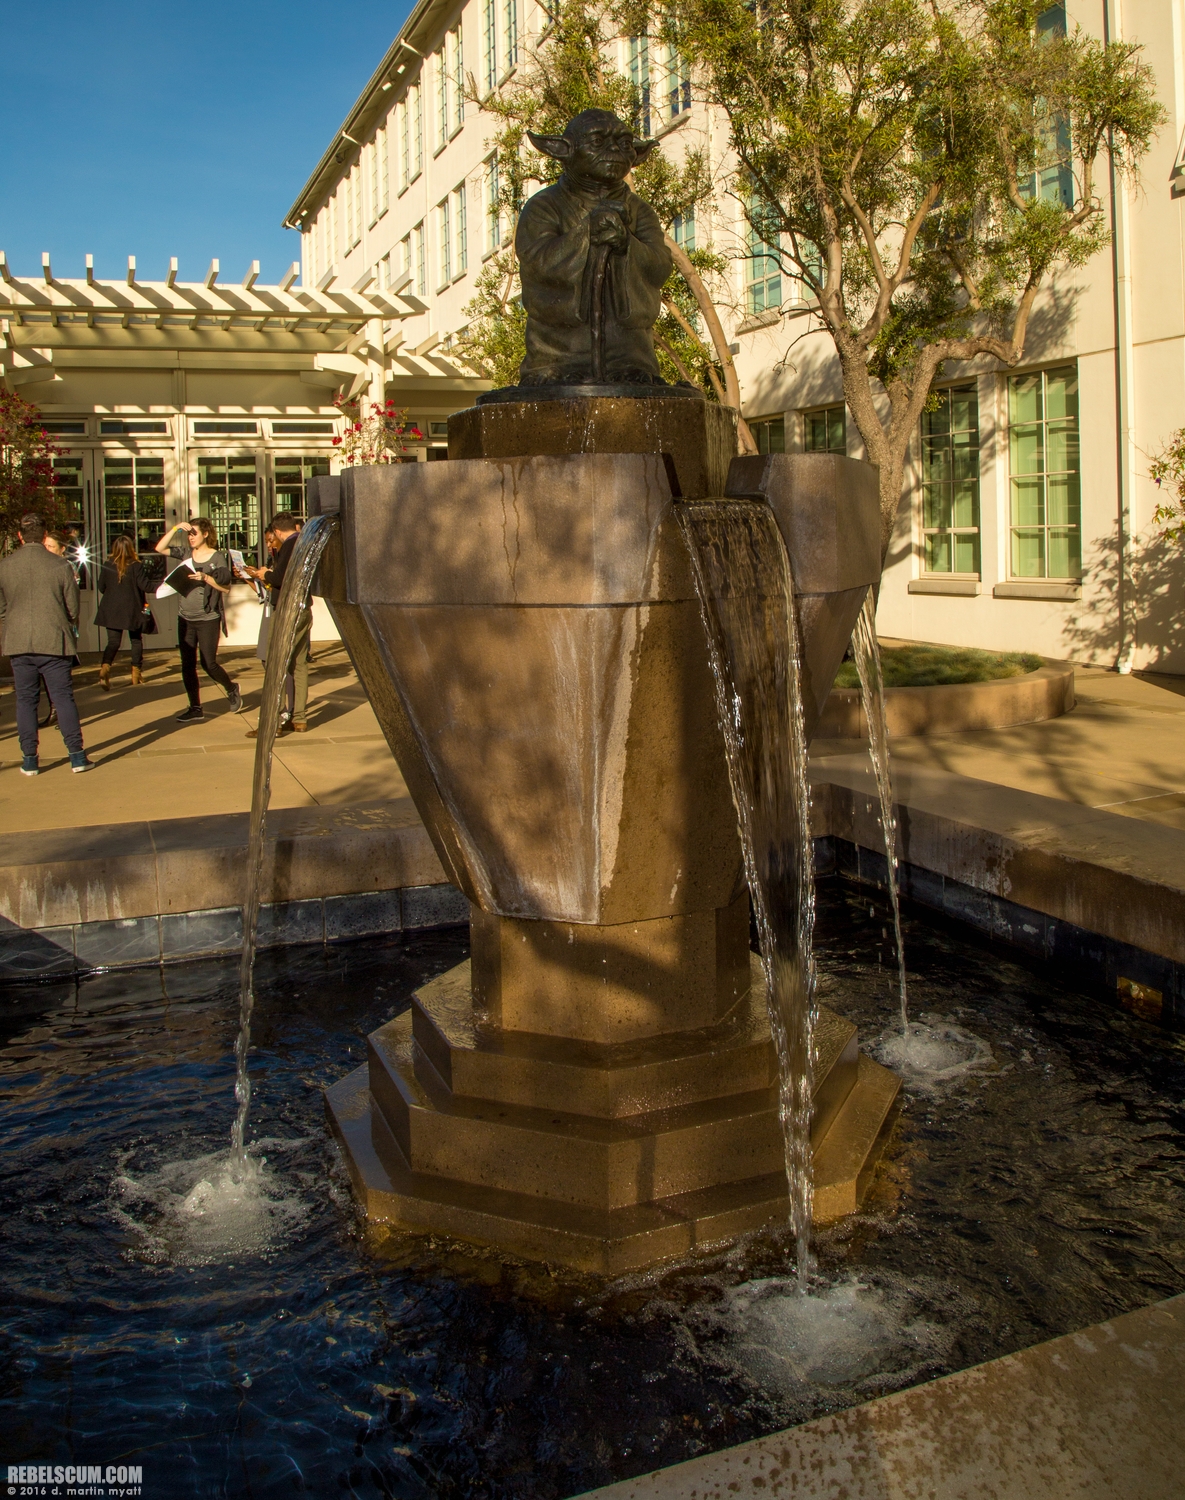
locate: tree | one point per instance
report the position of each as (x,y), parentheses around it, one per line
(26,468)
(1168,469)
(565,72)
(923,166)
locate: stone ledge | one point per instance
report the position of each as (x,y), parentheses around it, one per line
(120,871)
(173,937)
(952,707)
(1092,1414)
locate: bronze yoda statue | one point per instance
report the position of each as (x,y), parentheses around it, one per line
(593,261)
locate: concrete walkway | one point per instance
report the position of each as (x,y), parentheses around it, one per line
(149,766)
(1122,748)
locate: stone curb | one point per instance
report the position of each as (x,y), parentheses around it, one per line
(954,707)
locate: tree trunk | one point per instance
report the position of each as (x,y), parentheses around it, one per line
(732,386)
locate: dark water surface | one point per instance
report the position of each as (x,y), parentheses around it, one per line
(1031,1193)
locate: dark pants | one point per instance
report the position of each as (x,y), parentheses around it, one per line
(28,669)
(194,637)
(115,641)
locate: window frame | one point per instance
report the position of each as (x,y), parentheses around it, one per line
(1072,428)
(813,413)
(952,531)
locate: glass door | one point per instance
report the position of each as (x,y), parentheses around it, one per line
(293,472)
(133,499)
(229,492)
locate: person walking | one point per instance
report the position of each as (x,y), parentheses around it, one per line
(296,680)
(202,615)
(123,585)
(39,617)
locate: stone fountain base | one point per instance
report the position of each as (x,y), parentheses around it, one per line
(602,1157)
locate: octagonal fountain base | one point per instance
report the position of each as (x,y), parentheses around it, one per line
(601,1157)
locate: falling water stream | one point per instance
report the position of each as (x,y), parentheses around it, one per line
(742,578)
(294,595)
(872,695)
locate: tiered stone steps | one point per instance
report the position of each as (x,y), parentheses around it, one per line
(604,1158)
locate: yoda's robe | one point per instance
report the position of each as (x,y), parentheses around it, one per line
(556,268)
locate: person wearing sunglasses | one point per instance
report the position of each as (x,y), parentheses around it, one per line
(202,615)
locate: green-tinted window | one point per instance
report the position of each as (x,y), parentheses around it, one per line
(227,494)
(133,499)
(769,433)
(950,482)
(293,472)
(1044,474)
(825,431)
(763,271)
(68,485)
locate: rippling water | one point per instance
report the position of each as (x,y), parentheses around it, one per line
(246,1337)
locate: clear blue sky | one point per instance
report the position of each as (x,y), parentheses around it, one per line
(171,129)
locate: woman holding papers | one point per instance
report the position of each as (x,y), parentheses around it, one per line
(203,582)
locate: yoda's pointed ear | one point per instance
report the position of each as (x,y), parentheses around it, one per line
(642,150)
(551,145)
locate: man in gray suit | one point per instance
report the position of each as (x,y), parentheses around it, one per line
(39,615)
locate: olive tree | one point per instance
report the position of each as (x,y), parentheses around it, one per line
(923,166)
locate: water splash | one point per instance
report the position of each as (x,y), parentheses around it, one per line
(294,595)
(742,578)
(208,1210)
(848,1335)
(872,695)
(933,1054)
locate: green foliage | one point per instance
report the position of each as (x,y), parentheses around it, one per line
(26,469)
(896,146)
(492,341)
(1167,469)
(933,666)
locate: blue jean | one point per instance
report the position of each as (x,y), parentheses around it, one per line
(28,669)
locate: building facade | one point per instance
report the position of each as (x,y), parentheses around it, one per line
(1028,518)
(170,399)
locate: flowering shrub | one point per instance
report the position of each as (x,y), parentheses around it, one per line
(1168,469)
(377,437)
(26,468)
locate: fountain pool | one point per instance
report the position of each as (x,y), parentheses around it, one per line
(262,1348)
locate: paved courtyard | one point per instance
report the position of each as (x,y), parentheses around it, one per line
(1122,748)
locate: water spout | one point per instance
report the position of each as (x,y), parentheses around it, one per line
(294,595)
(742,578)
(866,651)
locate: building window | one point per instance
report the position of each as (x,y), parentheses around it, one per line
(226,493)
(493,206)
(293,472)
(1043,453)
(950,482)
(134,499)
(405,255)
(404,145)
(461,230)
(489,26)
(1053,176)
(678,93)
(384,173)
(510,23)
(440,68)
(769,433)
(639,74)
(417,131)
(421,250)
(683,231)
(445,240)
(67,476)
(825,431)
(458,80)
(763,275)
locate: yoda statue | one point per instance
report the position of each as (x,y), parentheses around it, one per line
(592,261)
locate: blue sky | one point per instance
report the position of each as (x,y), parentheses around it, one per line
(171,129)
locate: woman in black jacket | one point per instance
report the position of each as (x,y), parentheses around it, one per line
(122,587)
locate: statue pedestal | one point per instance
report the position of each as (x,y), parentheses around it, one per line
(598,1085)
